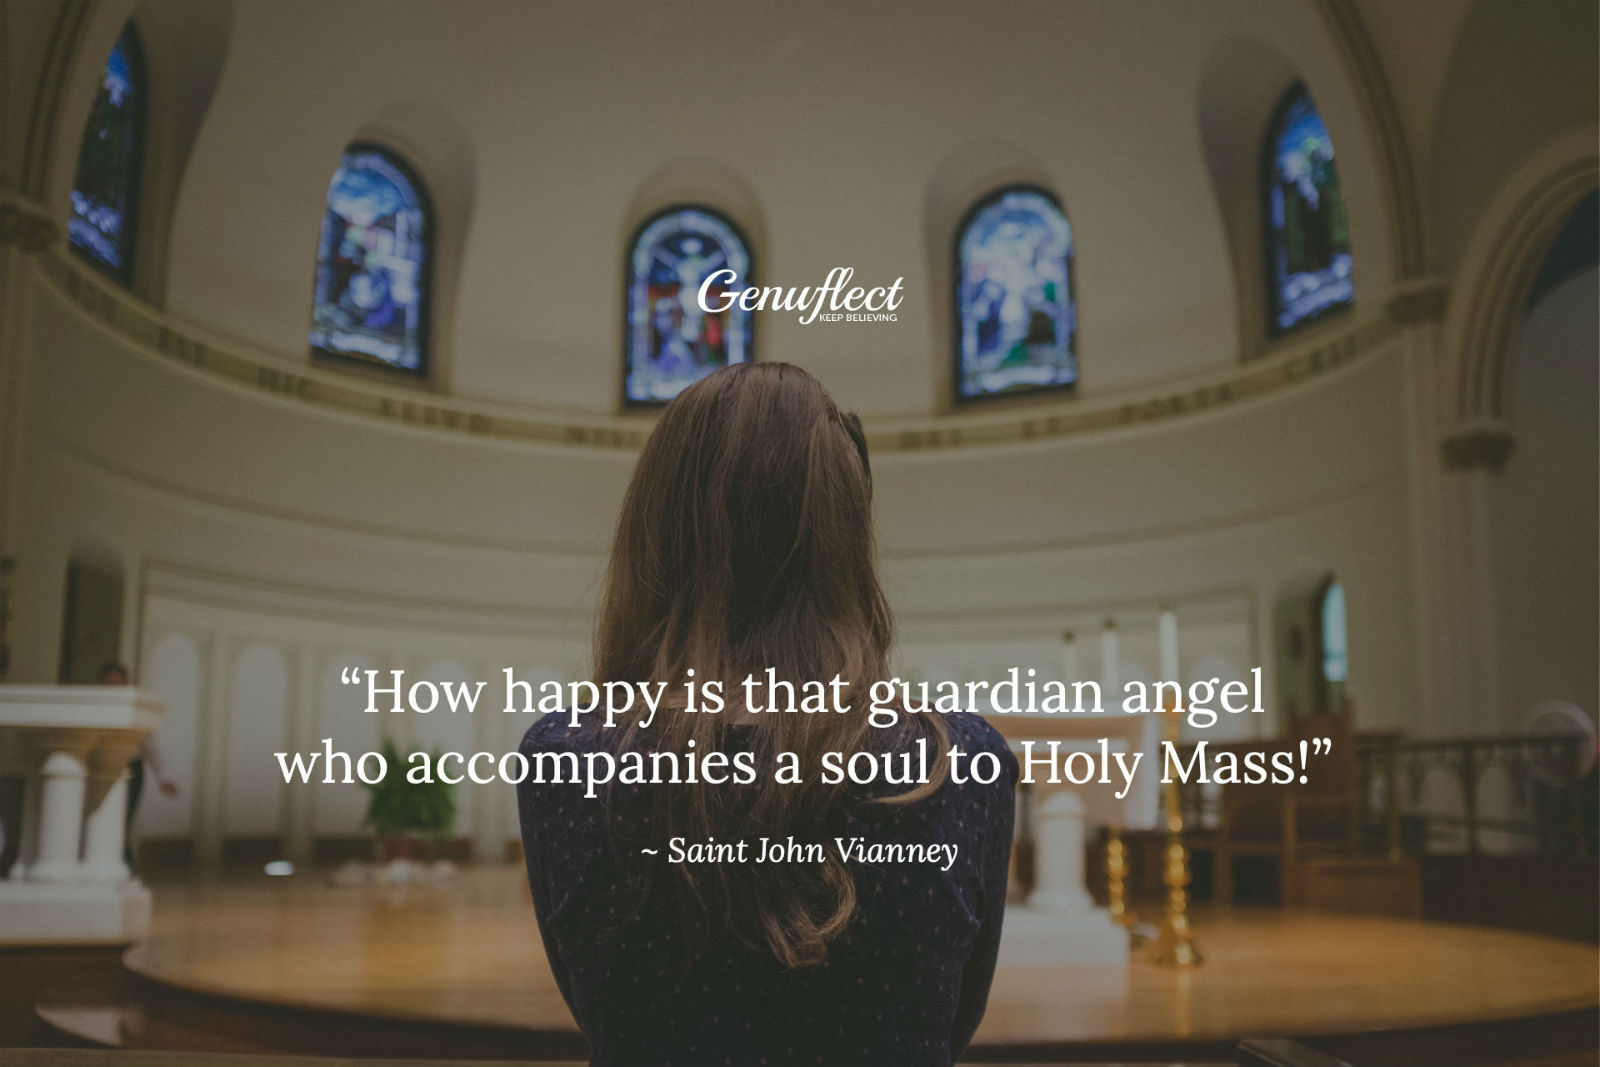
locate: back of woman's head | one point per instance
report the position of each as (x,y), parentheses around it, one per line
(745,543)
(745,540)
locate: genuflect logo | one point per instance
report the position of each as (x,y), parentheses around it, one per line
(831,301)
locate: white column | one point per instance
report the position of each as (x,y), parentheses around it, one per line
(1480,701)
(1427,393)
(400,728)
(106,821)
(211,755)
(1058,855)
(1274,721)
(28,846)
(60,813)
(300,733)
(34,229)
(488,830)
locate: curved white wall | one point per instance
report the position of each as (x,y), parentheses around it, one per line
(328,535)
(189,470)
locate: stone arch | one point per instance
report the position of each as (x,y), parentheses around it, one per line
(961,179)
(1490,292)
(185,44)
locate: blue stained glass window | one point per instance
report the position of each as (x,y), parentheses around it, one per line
(1014,296)
(371,297)
(1307,229)
(105,186)
(672,342)
(1335,640)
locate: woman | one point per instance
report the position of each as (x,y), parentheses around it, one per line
(745,543)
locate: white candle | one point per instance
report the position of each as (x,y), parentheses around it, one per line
(1069,658)
(1168,636)
(1110,667)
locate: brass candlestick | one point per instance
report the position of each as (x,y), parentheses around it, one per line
(1117,879)
(1175,945)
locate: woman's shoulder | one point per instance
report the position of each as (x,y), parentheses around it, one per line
(972,732)
(975,733)
(554,732)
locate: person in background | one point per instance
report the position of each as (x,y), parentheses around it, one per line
(114,673)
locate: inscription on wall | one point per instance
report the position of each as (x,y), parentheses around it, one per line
(146,328)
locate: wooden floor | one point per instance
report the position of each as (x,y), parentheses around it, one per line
(470,953)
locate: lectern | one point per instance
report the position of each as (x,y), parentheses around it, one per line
(71,746)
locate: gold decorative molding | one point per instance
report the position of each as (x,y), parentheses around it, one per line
(1240,382)
(141,325)
(1422,301)
(1478,448)
(148,329)
(25,225)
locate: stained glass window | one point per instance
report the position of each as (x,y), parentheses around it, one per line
(1307,230)
(672,341)
(1014,301)
(1335,650)
(105,187)
(1335,654)
(371,297)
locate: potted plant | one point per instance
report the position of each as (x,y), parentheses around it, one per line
(399,811)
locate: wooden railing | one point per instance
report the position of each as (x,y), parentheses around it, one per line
(1552,806)
(1549,797)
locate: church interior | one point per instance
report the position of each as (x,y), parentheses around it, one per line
(1243,341)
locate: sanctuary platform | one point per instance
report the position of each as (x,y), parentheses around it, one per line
(298,966)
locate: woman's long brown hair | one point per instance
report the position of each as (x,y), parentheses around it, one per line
(745,543)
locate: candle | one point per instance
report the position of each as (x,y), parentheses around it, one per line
(1110,667)
(1168,637)
(1069,658)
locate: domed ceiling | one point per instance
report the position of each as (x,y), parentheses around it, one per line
(834,135)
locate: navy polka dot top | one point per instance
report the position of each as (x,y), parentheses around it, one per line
(905,984)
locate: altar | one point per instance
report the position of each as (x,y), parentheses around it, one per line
(1052,920)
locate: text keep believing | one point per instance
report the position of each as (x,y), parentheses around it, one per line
(829,301)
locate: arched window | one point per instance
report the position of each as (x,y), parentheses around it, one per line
(1308,265)
(672,340)
(105,187)
(1016,320)
(1333,651)
(371,298)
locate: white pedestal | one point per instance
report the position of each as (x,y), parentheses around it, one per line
(73,912)
(1059,926)
(71,744)
(1034,937)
